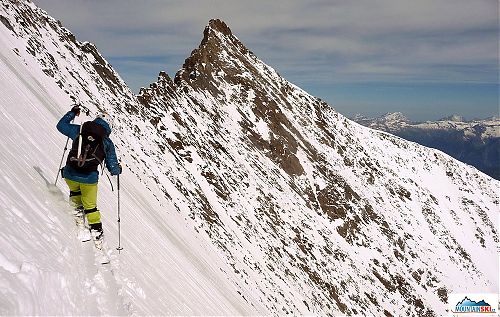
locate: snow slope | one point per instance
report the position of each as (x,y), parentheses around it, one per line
(165,268)
(242,193)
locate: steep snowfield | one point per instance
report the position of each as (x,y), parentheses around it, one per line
(242,194)
(165,268)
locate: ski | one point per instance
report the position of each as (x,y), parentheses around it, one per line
(85,234)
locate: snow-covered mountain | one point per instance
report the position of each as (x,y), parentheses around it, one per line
(395,121)
(475,142)
(242,195)
(391,120)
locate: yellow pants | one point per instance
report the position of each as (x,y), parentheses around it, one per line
(85,195)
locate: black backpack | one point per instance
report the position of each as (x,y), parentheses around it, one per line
(90,154)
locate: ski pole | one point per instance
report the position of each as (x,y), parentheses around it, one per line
(119,248)
(62,158)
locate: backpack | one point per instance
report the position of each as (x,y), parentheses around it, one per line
(87,151)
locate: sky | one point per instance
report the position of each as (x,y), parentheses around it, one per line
(427,58)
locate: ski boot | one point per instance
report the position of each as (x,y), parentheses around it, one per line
(102,255)
(97,234)
(83,230)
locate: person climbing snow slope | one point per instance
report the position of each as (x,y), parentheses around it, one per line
(91,148)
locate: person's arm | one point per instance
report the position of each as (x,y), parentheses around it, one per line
(66,127)
(112,163)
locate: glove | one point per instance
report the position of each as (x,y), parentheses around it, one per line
(76,110)
(118,171)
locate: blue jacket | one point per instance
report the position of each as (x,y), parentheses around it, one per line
(72,130)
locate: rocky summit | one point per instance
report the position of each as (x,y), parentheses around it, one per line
(306,211)
(318,214)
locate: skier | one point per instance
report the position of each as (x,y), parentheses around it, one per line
(91,146)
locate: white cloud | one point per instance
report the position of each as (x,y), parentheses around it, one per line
(332,39)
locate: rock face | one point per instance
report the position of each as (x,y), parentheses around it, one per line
(475,142)
(314,213)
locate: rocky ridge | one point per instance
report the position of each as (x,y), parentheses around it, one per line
(314,213)
(303,185)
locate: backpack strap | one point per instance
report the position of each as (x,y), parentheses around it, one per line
(82,159)
(101,163)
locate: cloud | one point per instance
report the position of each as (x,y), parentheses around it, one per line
(308,41)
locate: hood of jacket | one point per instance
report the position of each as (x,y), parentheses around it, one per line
(104,124)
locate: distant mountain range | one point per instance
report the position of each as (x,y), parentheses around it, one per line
(475,142)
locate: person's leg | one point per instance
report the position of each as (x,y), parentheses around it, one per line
(89,200)
(75,194)
(75,198)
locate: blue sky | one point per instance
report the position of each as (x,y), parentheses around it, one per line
(426,58)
